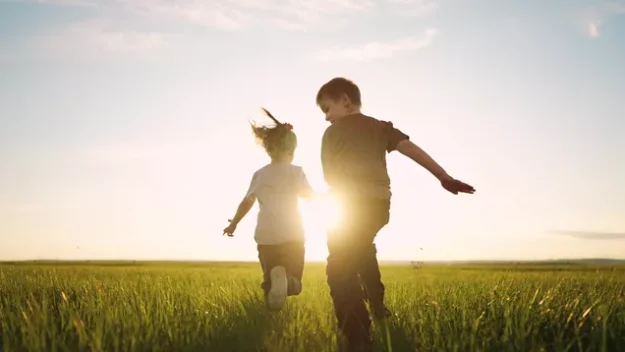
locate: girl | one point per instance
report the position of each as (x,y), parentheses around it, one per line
(279,233)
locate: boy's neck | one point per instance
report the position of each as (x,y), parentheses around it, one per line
(353,111)
(350,112)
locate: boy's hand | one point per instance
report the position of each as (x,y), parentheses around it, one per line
(456,186)
(230,229)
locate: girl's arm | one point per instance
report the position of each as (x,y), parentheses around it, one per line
(244,207)
(246,204)
(305,189)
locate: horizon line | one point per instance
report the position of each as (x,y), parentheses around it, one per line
(402,261)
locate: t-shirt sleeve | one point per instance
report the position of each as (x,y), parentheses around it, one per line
(394,137)
(251,191)
(303,186)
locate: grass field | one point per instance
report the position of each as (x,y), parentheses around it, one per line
(218,307)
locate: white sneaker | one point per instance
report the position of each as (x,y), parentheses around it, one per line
(279,288)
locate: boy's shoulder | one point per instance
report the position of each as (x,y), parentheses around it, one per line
(360,119)
(374,120)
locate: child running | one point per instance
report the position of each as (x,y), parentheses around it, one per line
(279,233)
(353,158)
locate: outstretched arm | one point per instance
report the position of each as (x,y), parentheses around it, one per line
(422,158)
(244,207)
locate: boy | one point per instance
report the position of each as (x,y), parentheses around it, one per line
(353,158)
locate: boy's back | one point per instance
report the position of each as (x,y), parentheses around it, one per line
(354,156)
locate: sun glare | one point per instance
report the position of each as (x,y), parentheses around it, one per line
(319,215)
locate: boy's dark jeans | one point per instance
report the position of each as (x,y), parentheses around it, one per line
(290,256)
(352,260)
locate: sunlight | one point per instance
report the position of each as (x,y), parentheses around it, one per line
(319,215)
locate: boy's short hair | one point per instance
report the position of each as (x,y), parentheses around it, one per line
(338,86)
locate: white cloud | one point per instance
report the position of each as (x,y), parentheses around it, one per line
(414,8)
(77,3)
(93,38)
(597,16)
(615,7)
(238,14)
(593,29)
(113,27)
(86,3)
(592,235)
(209,13)
(377,50)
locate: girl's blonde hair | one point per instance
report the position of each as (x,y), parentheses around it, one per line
(278,139)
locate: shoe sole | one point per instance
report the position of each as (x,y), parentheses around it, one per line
(279,288)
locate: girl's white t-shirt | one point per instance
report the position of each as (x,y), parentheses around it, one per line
(278,188)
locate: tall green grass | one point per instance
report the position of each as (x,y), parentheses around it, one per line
(204,307)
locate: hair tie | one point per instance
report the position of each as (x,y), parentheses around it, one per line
(288,126)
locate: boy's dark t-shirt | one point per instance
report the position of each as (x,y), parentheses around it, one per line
(353,156)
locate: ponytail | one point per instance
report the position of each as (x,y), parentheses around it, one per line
(278,123)
(277,138)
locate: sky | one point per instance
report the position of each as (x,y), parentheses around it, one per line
(124,124)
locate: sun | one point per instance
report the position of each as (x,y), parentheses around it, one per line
(319,215)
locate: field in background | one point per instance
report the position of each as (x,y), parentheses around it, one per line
(218,307)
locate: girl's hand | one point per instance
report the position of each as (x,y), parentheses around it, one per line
(230,229)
